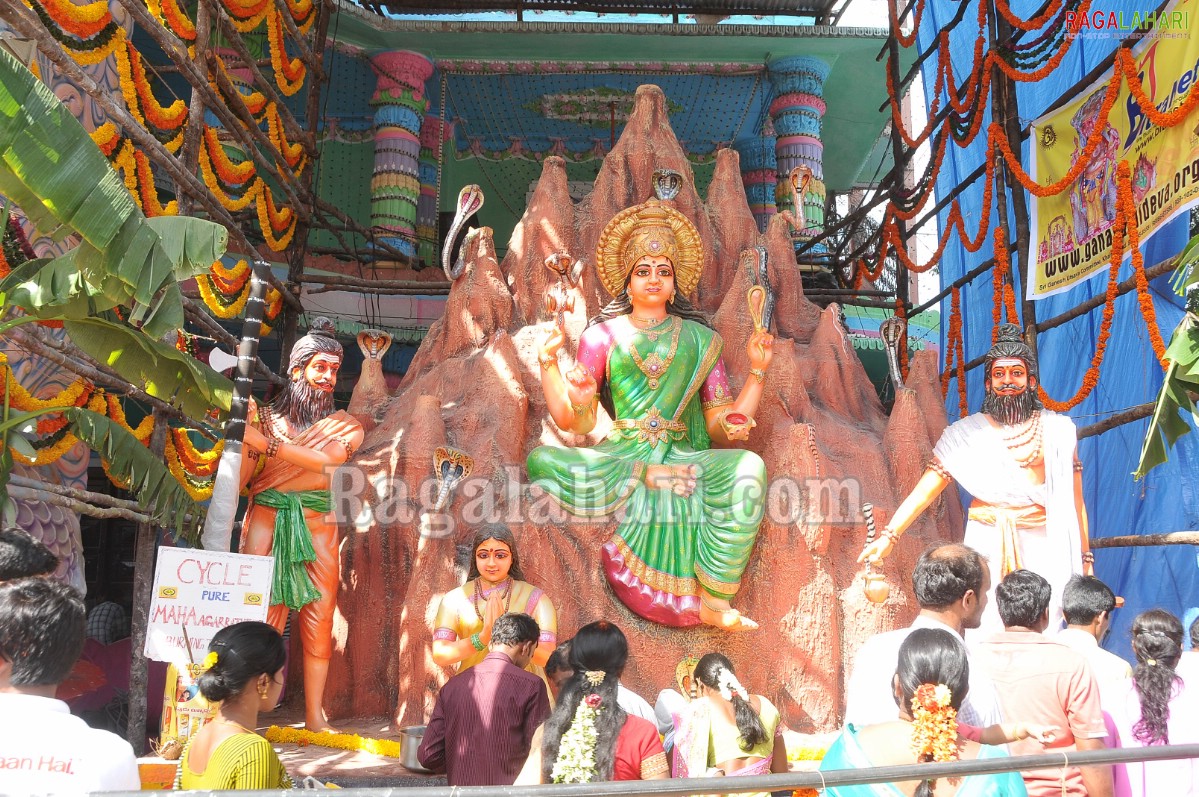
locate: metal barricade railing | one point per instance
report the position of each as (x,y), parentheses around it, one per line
(784,782)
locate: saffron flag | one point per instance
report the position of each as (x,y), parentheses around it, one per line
(1072,231)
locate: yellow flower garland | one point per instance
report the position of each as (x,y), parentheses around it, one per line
(337,741)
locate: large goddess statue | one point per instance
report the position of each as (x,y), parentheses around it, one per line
(688,515)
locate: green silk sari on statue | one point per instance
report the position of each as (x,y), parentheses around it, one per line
(666,548)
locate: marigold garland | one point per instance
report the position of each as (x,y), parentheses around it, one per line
(58,17)
(934,724)
(173,18)
(955,350)
(337,741)
(1144,295)
(289,72)
(278,224)
(293,154)
(147,192)
(81,21)
(247,14)
(1032,23)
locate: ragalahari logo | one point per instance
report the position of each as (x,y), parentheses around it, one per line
(1123,24)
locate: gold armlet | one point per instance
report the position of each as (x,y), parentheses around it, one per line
(582,409)
(548,363)
(1077,466)
(758,373)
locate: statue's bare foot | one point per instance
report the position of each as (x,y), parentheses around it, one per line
(679,479)
(717,612)
(320,726)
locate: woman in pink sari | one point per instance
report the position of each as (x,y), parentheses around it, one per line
(726,730)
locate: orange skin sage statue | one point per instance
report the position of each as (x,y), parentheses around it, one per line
(293,445)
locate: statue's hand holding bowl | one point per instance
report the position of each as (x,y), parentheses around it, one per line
(760,350)
(580,386)
(875,551)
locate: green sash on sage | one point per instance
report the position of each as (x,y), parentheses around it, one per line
(292,548)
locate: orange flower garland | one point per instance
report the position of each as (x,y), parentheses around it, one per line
(934,724)
(1032,23)
(289,72)
(247,14)
(1144,295)
(955,350)
(173,18)
(147,193)
(293,154)
(278,223)
(81,21)
(909,39)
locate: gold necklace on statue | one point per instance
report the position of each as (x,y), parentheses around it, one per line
(655,366)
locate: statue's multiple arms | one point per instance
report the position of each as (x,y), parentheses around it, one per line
(760,351)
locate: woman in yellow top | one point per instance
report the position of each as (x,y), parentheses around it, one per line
(725,730)
(462,630)
(244,675)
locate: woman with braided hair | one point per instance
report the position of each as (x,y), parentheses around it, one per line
(1156,707)
(725,730)
(589,738)
(931,681)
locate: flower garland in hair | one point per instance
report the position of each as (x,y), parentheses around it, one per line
(934,724)
(728,685)
(576,752)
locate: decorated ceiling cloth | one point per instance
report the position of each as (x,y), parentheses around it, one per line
(509,110)
(1129,375)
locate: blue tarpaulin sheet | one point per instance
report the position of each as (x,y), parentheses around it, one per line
(1168,498)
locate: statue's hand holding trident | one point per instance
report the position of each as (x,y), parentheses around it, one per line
(571,398)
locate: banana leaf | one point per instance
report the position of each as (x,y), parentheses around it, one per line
(130,462)
(156,367)
(1181,380)
(50,166)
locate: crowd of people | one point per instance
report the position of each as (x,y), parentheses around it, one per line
(560,714)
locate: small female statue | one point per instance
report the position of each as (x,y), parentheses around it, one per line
(690,514)
(462,630)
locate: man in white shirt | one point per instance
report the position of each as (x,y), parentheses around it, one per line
(1087,604)
(43,747)
(951,583)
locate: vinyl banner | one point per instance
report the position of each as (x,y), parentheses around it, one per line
(1072,231)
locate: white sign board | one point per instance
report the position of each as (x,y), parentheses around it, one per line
(203,591)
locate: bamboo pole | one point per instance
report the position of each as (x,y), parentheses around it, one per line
(75,505)
(1119,419)
(1147,540)
(190,154)
(143,578)
(78,494)
(194,313)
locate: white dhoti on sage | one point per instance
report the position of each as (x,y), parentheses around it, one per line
(1023,525)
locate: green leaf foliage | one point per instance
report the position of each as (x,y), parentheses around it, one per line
(50,166)
(156,367)
(1182,379)
(147,475)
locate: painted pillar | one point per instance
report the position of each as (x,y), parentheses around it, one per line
(797,112)
(399,102)
(759,169)
(426,205)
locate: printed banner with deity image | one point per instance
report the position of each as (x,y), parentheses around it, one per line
(1072,230)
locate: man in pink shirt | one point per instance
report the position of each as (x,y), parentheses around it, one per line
(1043,682)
